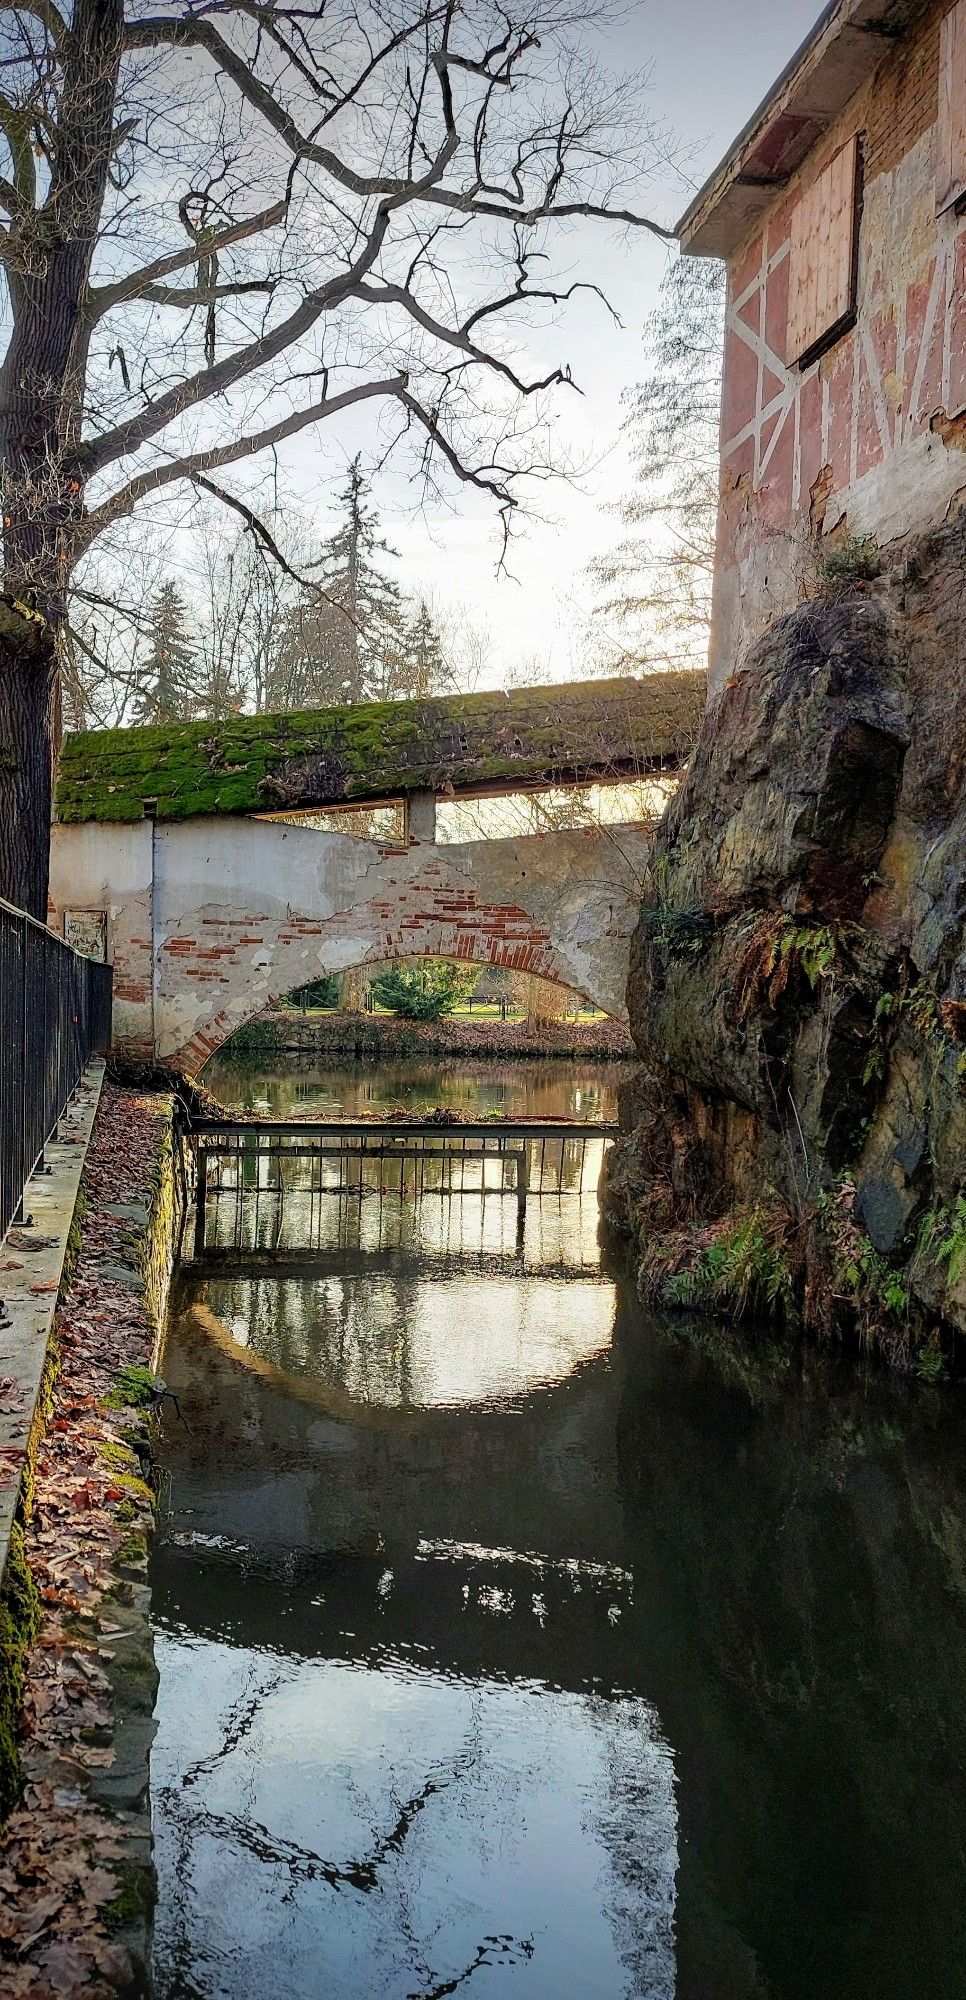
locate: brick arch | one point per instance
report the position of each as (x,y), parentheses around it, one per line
(210,919)
(450,924)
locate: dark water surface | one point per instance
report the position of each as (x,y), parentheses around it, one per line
(514,1644)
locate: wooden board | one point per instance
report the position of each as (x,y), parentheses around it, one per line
(951,136)
(821,295)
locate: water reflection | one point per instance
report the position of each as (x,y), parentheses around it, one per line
(404,1339)
(296,1206)
(451,1832)
(601,1661)
(293,1086)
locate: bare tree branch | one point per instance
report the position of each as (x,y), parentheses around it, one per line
(138,284)
(264,537)
(43,11)
(457,337)
(192,466)
(198,32)
(209,382)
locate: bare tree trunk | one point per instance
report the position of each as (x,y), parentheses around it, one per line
(352,990)
(28,727)
(48,267)
(546,1003)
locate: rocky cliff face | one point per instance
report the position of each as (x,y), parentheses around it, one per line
(797,1136)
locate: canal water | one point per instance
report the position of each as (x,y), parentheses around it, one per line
(290,1087)
(514,1643)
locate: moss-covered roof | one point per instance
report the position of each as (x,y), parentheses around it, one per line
(578,732)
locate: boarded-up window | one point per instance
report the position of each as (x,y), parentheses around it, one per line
(951,142)
(821,298)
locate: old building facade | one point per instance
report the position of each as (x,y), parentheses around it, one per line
(840,213)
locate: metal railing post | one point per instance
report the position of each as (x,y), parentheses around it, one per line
(55,1013)
(201,1196)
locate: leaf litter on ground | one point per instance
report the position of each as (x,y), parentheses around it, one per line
(61,1852)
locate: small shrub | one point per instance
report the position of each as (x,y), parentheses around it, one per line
(941,1239)
(425,991)
(678,933)
(744,1270)
(779,955)
(855,559)
(321,992)
(875,1292)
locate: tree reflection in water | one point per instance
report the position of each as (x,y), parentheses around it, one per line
(380,1827)
(616,1660)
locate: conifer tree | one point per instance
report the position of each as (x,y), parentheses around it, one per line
(168,682)
(425,668)
(349,644)
(655,585)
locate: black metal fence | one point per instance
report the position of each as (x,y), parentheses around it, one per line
(55,1013)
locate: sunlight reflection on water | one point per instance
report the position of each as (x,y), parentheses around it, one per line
(353,1828)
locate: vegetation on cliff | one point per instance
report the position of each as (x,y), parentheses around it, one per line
(796,1144)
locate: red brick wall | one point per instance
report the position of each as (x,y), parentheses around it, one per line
(427,918)
(903,101)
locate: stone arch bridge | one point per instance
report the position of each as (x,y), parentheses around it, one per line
(184,851)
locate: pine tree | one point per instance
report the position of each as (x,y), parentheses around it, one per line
(168,680)
(425,669)
(349,645)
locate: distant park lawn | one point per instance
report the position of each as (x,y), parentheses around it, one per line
(481,1010)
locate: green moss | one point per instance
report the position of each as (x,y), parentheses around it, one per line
(139,1669)
(135,1899)
(19,1623)
(41,1418)
(375,750)
(119,1458)
(72,1249)
(134,1388)
(133,1549)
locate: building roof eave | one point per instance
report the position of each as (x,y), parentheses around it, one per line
(841,51)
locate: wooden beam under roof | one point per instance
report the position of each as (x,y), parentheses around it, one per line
(842,50)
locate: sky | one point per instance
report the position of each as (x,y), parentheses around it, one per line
(711,62)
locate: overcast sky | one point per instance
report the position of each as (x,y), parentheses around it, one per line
(711,62)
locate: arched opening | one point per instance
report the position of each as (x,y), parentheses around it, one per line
(290,907)
(417,987)
(535,991)
(388,1048)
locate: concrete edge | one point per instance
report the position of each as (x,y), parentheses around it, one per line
(30,1284)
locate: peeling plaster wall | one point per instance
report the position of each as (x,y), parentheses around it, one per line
(238,912)
(867,438)
(111,869)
